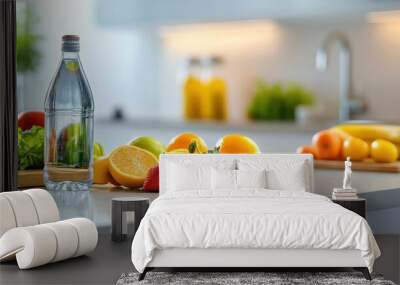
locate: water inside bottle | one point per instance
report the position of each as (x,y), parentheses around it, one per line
(69,150)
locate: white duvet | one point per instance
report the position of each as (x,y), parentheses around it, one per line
(250,219)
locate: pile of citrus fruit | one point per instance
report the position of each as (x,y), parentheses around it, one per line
(136,163)
(379,143)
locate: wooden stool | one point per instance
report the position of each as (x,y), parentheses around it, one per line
(119,208)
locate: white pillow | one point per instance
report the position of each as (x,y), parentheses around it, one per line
(282,174)
(223,179)
(183,177)
(251,178)
(227,179)
(292,180)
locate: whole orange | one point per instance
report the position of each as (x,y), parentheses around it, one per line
(355,148)
(237,143)
(184,140)
(327,144)
(307,149)
(383,151)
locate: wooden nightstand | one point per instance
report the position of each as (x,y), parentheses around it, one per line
(358,206)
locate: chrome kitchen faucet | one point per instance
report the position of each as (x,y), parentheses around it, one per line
(348,105)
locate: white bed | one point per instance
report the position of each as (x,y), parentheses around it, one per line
(285,225)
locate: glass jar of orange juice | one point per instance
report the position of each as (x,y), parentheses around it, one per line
(215,103)
(193,90)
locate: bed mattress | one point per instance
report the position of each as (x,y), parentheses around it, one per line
(250,219)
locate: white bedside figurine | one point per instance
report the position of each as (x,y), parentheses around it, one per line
(346,192)
(347,174)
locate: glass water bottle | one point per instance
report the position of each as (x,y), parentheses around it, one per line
(69,111)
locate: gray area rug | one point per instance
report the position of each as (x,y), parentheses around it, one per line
(229,278)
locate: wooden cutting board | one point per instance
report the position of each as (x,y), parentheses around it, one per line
(368,165)
(34,178)
(30,178)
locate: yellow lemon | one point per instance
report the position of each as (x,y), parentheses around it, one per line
(355,148)
(383,151)
(129,165)
(101,174)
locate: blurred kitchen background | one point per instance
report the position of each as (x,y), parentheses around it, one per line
(160,67)
(277,71)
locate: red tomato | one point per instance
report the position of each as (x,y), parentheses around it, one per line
(28,119)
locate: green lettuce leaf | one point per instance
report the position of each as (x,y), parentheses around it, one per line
(31,148)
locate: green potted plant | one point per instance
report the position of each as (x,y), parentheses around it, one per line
(27,52)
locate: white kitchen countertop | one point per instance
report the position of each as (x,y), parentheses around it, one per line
(270,137)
